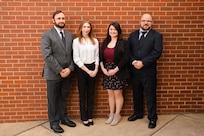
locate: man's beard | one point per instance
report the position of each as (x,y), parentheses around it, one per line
(146,29)
(60,26)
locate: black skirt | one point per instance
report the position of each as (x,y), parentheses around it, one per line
(113,82)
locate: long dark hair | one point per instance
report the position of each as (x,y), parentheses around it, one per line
(119,43)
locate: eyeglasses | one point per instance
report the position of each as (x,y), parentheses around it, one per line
(148,21)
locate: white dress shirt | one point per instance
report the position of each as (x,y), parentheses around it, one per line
(85,52)
(58,31)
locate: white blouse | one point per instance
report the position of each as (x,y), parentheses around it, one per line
(85,52)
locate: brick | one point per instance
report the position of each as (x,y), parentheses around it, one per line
(180,73)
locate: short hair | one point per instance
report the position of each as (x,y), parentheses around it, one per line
(55,13)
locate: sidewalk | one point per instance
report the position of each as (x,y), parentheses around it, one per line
(167,125)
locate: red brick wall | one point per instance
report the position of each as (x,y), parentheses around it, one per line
(180,68)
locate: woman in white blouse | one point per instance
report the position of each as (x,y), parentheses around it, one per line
(86,57)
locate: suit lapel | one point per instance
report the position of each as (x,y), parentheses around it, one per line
(58,38)
(137,39)
(149,34)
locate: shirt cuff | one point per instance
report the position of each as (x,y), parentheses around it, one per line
(133,62)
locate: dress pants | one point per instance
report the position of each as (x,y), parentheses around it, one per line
(147,85)
(57,92)
(86,87)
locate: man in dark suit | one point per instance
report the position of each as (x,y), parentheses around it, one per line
(145,49)
(56,48)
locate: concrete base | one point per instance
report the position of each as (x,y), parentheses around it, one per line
(167,125)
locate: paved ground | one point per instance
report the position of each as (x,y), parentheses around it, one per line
(167,125)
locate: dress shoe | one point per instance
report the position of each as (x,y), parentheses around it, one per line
(86,123)
(57,128)
(152,124)
(68,123)
(134,117)
(91,123)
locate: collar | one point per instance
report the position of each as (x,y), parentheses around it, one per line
(146,31)
(58,31)
(141,31)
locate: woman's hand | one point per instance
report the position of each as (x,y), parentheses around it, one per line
(112,72)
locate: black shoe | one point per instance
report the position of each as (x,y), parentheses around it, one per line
(152,124)
(57,128)
(134,117)
(91,123)
(86,123)
(68,123)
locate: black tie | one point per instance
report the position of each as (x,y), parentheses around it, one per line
(142,38)
(63,39)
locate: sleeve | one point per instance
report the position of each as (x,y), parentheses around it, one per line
(125,57)
(48,54)
(71,66)
(76,53)
(155,53)
(97,52)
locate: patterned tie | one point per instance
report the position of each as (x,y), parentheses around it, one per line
(63,39)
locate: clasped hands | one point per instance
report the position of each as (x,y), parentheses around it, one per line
(92,73)
(110,72)
(65,72)
(138,64)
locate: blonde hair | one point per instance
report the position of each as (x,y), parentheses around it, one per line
(90,33)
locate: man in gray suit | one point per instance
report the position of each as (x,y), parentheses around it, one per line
(56,47)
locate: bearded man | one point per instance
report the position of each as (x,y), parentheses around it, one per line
(145,49)
(56,45)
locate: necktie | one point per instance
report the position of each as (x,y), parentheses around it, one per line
(63,39)
(142,38)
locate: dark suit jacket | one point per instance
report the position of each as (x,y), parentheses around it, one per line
(121,60)
(149,52)
(55,55)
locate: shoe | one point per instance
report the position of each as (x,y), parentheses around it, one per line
(152,124)
(68,123)
(91,122)
(57,128)
(110,119)
(116,119)
(86,123)
(134,117)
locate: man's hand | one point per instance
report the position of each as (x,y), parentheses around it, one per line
(65,72)
(138,64)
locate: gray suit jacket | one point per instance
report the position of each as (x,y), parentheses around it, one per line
(55,55)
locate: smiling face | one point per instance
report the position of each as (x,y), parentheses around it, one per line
(146,22)
(59,20)
(112,31)
(86,28)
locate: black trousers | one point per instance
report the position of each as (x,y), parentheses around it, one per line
(57,92)
(86,87)
(144,85)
